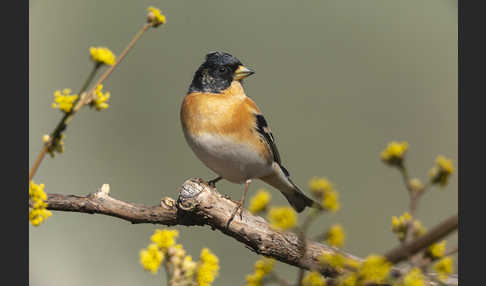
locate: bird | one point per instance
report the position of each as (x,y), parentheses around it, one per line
(227,131)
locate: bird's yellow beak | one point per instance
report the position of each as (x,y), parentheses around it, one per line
(242,72)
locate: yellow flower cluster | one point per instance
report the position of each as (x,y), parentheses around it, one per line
(38,212)
(262,268)
(331,201)
(442,171)
(337,260)
(444,268)
(413,278)
(151,257)
(313,278)
(400,224)
(282,218)
(394,153)
(101,98)
(348,280)
(102,55)
(436,250)
(208,268)
(164,238)
(334,260)
(155,16)
(259,201)
(374,269)
(183,270)
(324,190)
(335,236)
(319,186)
(64,100)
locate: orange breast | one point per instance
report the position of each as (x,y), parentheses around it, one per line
(230,114)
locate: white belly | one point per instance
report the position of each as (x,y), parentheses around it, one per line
(231,160)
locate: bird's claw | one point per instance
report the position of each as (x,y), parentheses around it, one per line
(239,207)
(212,183)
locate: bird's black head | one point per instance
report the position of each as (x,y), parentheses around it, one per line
(217,72)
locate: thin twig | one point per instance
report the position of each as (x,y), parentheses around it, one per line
(61,126)
(89,96)
(84,98)
(403,251)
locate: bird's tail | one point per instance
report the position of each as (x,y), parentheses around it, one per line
(280,179)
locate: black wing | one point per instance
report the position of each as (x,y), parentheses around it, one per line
(264,130)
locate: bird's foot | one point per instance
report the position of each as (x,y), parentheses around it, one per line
(239,207)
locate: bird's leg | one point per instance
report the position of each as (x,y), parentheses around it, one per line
(212,183)
(239,205)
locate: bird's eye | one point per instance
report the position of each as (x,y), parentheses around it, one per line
(222,69)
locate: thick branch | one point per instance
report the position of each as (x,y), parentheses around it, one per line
(199,204)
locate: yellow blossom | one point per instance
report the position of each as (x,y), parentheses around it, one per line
(259,201)
(265,265)
(262,267)
(313,278)
(151,257)
(282,218)
(100,98)
(418,228)
(374,269)
(394,153)
(208,269)
(323,189)
(37,216)
(336,260)
(413,278)
(155,16)
(64,100)
(436,250)
(254,279)
(330,201)
(445,164)
(164,238)
(400,226)
(444,268)
(442,171)
(102,55)
(36,193)
(319,186)
(348,280)
(38,212)
(335,235)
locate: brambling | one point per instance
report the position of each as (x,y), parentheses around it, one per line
(229,134)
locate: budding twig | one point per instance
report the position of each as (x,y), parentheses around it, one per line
(435,234)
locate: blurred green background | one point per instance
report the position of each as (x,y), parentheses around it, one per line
(336,79)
